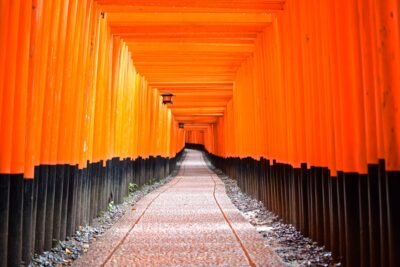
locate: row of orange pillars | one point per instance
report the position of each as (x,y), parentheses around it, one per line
(299,100)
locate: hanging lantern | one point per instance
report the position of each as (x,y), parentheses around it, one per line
(167,98)
(181,125)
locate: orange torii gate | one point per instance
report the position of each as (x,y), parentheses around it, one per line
(303,96)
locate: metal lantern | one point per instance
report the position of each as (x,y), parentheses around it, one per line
(181,125)
(167,98)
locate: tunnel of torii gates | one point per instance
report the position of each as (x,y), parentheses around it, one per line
(297,100)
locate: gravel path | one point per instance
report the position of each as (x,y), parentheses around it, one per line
(188,219)
(188,222)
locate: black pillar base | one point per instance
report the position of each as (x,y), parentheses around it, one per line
(15,220)
(27,249)
(4,213)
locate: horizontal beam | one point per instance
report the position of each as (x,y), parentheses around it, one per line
(197,126)
(206,76)
(190,6)
(166,36)
(181,48)
(210,114)
(158,9)
(119,29)
(184,77)
(196,119)
(196,90)
(203,94)
(200,110)
(184,68)
(215,114)
(193,72)
(219,105)
(135,18)
(196,97)
(155,79)
(174,60)
(161,65)
(187,57)
(200,104)
(188,39)
(227,85)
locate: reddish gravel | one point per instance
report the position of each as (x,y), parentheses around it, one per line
(188,222)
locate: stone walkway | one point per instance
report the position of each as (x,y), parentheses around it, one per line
(188,222)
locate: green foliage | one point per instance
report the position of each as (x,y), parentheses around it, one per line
(132,187)
(110,205)
(151,181)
